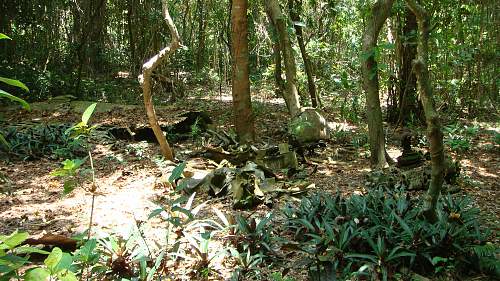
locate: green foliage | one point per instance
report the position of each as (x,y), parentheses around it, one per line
(32,141)
(487,258)
(351,112)
(278,276)
(250,241)
(459,137)
(248,264)
(253,235)
(4,94)
(82,129)
(13,83)
(57,266)
(99,259)
(69,172)
(196,129)
(359,140)
(380,232)
(182,228)
(496,138)
(13,256)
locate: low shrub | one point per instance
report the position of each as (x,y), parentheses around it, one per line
(382,234)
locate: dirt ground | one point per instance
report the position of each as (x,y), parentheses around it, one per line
(129,175)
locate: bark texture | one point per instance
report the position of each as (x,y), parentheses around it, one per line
(291,94)
(379,13)
(280,84)
(408,102)
(294,6)
(242,104)
(434,133)
(145,81)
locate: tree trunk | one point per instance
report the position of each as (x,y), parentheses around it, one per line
(408,102)
(242,104)
(131,37)
(291,94)
(145,81)
(434,133)
(97,28)
(280,84)
(200,54)
(380,12)
(89,50)
(185,19)
(294,5)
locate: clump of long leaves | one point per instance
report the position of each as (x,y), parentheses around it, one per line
(34,141)
(249,241)
(382,232)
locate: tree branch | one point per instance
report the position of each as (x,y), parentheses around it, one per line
(145,81)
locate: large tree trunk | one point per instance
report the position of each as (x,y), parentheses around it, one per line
(291,94)
(242,104)
(145,81)
(380,12)
(294,6)
(434,133)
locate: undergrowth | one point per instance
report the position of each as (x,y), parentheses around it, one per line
(379,235)
(382,235)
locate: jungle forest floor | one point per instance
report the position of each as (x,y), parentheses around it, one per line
(131,177)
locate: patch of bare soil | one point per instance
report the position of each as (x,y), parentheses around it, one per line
(131,179)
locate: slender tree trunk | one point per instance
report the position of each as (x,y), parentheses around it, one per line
(434,133)
(200,54)
(242,104)
(185,18)
(379,13)
(408,102)
(280,84)
(294,6)
(145,81)
(131,37)
(87,22)
(291,93)
(97,36)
